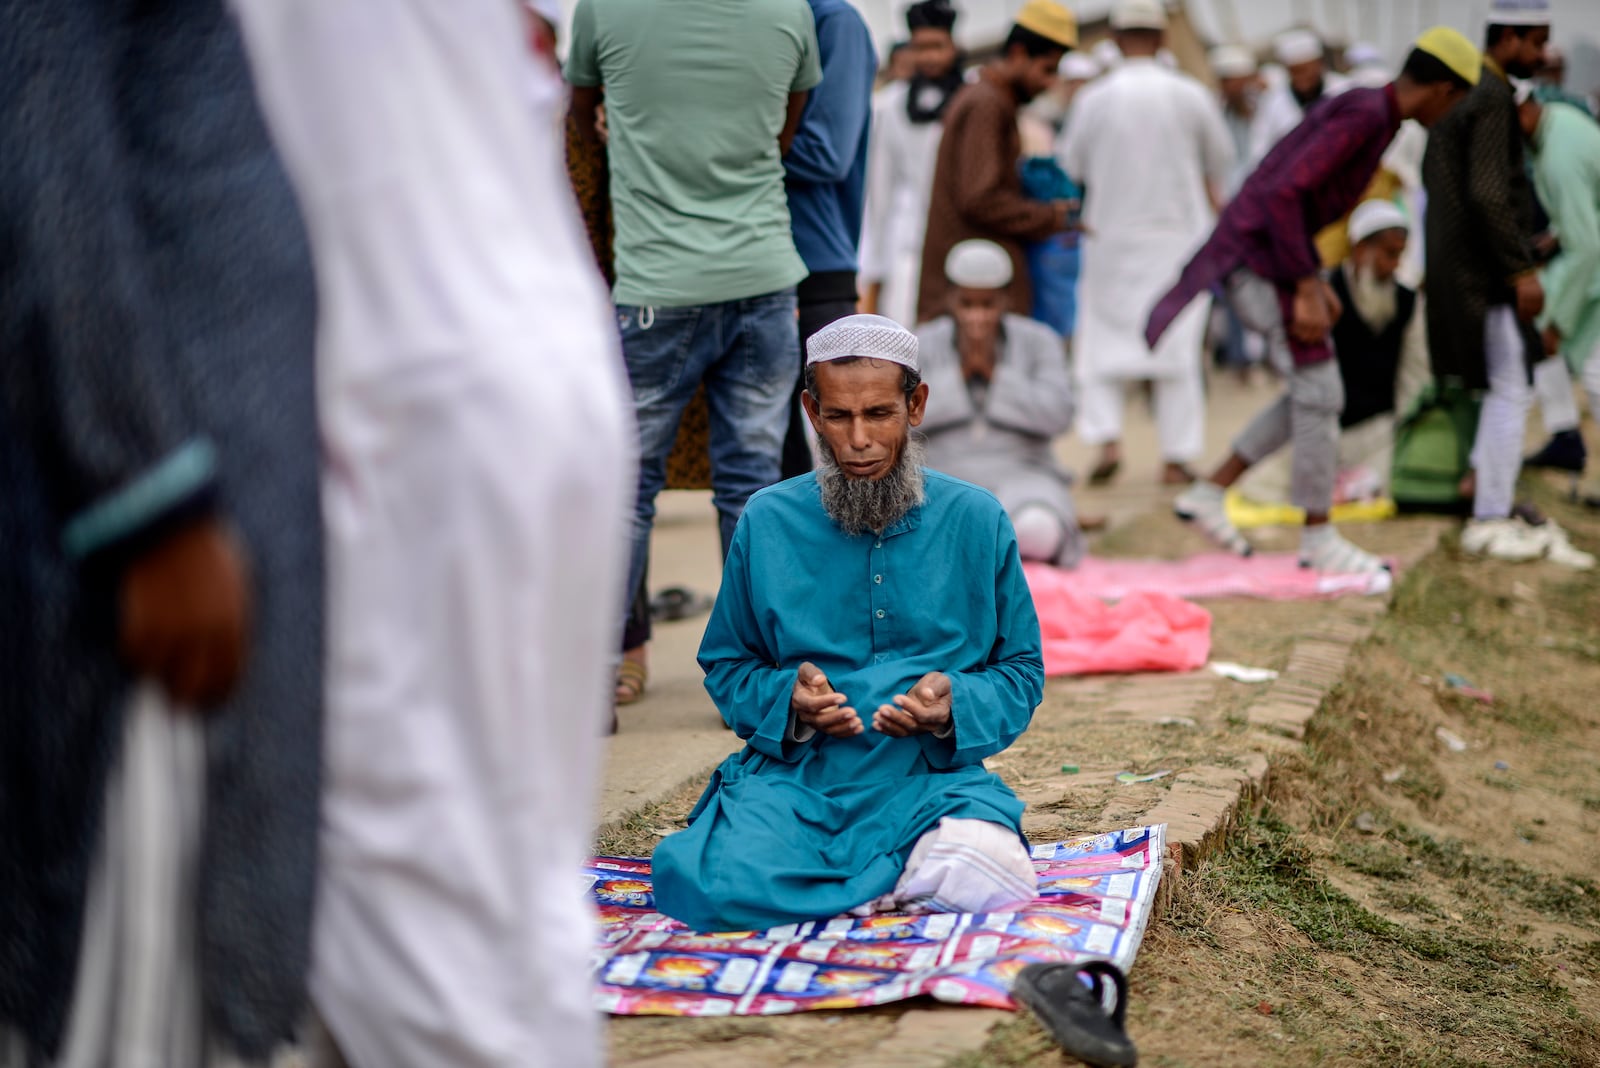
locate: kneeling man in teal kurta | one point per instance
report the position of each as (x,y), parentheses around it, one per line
(873,642)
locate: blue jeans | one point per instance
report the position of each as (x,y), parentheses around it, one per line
(745,351)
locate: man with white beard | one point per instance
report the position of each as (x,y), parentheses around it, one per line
(1382,353)
(475,490)
(1151,150)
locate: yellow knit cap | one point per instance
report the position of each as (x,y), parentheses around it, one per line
(1051,21)
(1454,51)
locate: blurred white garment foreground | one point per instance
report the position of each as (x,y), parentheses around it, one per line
(475,483)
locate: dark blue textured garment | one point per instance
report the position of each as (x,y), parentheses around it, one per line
(155,291)
(825,171)
(790,831)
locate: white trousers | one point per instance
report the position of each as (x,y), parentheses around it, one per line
(1180,412)
(1497,451)
(137,1001)
(962,865)
(1558,404)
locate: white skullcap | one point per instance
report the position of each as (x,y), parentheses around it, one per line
(978,264)
(1232,61)
(1078,67)
(1107,53)
(871,337)
(1519,13)
(1375,216)
(1363,54)
(1294,47)
(1139,15)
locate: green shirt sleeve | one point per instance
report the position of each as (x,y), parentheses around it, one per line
(583,54)
(808,73)
(1570,277)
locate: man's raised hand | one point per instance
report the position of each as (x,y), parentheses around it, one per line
(925,707)
(816,704)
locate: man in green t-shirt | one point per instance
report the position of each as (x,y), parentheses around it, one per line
(702,99)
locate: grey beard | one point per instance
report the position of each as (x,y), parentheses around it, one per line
(1374,301)
(862,506)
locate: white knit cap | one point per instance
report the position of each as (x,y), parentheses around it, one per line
(978,264)
(1375,216)
(871,337)
(1519,13)
(1078,67)
(1107,53)
(1232,61)
(1294,47)
(1364,54)
(1139,15)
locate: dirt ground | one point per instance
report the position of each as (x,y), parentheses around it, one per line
(1393,902)
(1396,901)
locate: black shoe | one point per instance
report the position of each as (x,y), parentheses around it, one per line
(1563,452)
(1076,1015)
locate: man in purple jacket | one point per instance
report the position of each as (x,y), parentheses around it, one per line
(1262,251)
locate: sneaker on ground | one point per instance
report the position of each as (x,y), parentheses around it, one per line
(1510,540)
(1202,505)
(1561,550)
(1331,554)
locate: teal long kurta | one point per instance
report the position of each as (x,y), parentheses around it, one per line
(1566,173)
(795,830)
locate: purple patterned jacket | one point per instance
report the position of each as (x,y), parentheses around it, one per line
(1311,178)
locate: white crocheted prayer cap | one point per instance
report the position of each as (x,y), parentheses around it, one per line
(870,336)
(1294,47)
(1078,67)
(1232,61)
(978,264)
(1519,13)
(1375,216)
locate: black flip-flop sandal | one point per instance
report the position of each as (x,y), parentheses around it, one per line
(677,602)
(1104,472)
(1076,1015)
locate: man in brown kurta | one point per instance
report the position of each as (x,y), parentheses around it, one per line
(977,186)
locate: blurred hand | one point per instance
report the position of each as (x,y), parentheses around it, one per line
(1552,341)
(186,614)
(815,704)
(1311,320)
(1335,305)
(1530,297)
(924,708)
(1546,245)
(600,126)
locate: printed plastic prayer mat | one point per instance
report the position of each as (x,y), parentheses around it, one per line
(1095,898)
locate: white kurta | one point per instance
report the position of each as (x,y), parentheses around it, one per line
(1144,141)
(900,159)
(476,487)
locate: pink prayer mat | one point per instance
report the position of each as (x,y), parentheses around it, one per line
(1083,635)
(1265,576)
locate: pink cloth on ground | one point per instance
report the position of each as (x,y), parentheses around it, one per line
(1083,635)
(1266,576)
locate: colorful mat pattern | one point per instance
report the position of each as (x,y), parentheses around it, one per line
(1095,898)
